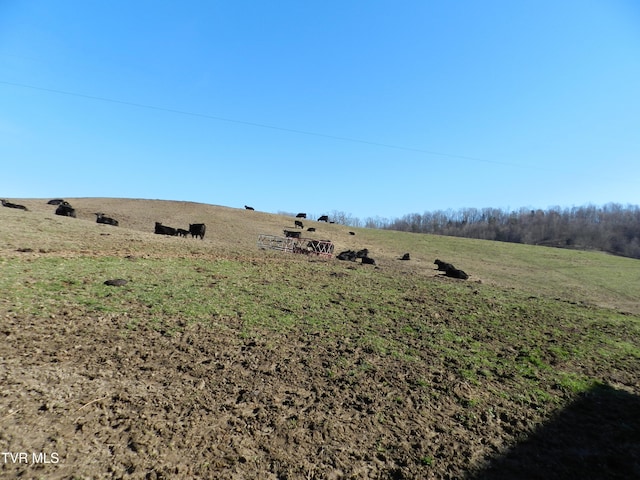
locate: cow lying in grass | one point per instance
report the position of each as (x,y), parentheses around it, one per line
(352,255)
(165,230)
(13,205)
(450,271)
(442,266)
(101,218)
(65,210)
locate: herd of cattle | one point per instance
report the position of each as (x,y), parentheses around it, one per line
(65,209)
(299,224)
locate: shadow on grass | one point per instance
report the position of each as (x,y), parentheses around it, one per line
(595,437)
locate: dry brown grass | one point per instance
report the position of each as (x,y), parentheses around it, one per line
(229,230)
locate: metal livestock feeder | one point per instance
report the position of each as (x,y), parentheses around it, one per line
(296,244)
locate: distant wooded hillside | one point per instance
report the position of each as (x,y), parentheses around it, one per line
(613,228)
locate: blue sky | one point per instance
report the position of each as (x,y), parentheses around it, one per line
(372,108)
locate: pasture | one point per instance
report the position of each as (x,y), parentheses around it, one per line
(221,360)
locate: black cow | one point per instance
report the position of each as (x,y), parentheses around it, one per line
(406,256)
(197,230)
(451,271)
(348,255)
(442,266)
(247,207)
(352,256)
(311,229)
(13,205)
(301,215)
(66,210)
(164,230)
(352,233)
(299,224)
(100,218)
(291,234)
(324,218)
(456,273)
(55,201)
(182,232)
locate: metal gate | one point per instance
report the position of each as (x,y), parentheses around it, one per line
(305,246)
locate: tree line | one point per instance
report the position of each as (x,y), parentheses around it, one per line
(612,228)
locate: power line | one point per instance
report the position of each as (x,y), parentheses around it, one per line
(262,125)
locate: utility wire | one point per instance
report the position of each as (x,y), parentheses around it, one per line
(261,125)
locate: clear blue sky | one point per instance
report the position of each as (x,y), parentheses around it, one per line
(372,108)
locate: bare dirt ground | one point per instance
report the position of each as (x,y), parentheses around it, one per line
(206,405)
(81,398)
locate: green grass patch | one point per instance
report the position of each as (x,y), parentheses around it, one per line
(535,348)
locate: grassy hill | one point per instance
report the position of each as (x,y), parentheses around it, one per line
(593,278)
(221,360)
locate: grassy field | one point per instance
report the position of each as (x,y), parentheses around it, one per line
(319,368)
